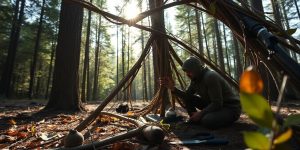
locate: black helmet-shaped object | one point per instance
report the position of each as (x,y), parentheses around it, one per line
(192,64)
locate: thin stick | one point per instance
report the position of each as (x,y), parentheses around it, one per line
(280,96)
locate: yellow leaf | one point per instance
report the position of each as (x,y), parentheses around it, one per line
(251,81)
(12,122)
(130,113)
(114,119)
(284,136)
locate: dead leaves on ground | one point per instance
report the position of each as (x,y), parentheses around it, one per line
(27,134)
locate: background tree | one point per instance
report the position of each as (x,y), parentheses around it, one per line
(64,93)
(35,54)
(6,78)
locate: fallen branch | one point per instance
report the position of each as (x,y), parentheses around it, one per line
(110,140)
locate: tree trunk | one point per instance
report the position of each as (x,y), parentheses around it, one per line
(123,60)
(226,50)
(117,60)
(149,77)
(50,68)
(189,27)
(276,12)
(35,55)
(239,67)
(219,46)
(205,38)
(65,87)
(145,90)
(162,49)
(257,6)
(85,75)
(5,84)
(96,70)
(199,32)
(287,25)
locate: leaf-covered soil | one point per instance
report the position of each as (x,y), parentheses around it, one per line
(23,126)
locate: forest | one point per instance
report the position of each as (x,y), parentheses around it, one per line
(95,67)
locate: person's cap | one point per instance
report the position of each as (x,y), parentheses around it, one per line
(192,64)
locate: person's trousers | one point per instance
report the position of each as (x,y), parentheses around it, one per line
(213,120)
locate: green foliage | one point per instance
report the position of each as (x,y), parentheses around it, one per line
(256,140)
(292,120)
(291,31)
(256,107)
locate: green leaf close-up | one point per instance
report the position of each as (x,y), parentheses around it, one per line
(292,120)
(257,108)
(256,140)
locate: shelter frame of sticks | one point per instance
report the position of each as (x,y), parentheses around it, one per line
(240,20)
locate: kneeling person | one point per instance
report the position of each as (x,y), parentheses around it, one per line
(208,92)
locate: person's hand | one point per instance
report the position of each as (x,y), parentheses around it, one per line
(167,82)
(196,117)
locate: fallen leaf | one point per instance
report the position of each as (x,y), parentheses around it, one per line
(130,113)
(99,130)
(12,132)
(12,122)
(22,135)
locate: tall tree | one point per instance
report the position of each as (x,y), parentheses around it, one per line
(85,77)
(35,54)
(97,50)
(65,86)
(199,31)
(226,50)
(205,37)
(161,49)
(276,12)
(219,45)
(257,6)
(6,78)
(238,60)
(50,68)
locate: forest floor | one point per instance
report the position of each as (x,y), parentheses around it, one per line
(22,127)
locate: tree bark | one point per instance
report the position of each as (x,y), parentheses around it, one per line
(162,49)
(65,89)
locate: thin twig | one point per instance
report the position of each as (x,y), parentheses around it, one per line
(281,93)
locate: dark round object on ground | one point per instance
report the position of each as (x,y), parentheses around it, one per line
(122,108)
(154,135)
(74,138)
